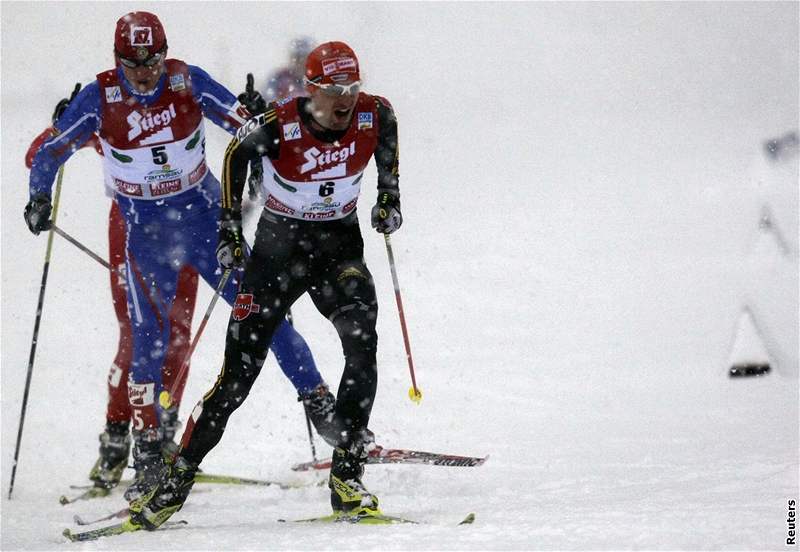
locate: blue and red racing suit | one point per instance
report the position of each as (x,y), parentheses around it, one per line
(154,165)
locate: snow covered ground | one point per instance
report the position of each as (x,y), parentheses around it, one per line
(577,220)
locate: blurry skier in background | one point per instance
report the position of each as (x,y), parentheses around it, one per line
(115,441)
(283,83)
(148,114)
(770,305)
(287,82)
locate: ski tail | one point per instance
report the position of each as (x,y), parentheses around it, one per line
(382,455)
(378,518)
(126,526)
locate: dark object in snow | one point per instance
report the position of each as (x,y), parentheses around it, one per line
(750,369)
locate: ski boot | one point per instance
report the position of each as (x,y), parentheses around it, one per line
(115,446)
(320,406)
(349,497)
(147,461)
(167,497)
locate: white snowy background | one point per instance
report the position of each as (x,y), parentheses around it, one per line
(579,237)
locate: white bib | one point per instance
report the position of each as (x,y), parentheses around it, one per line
(158,171)
(329,199)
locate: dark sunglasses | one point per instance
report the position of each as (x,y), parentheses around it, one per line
(149,62)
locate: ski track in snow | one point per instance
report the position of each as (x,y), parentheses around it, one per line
(576,220)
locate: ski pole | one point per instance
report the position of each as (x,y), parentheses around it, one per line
(83,248)
(311,438)
(290,319)
(165,398)
(414,392)
(36,324)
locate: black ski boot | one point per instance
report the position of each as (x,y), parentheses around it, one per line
(167,497)
(147,461)
(115,446)
(349,497)
(320,406)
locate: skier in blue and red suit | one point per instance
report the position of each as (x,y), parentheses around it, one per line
(148,114)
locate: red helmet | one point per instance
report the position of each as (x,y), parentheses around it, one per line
(332,63)
(139,35)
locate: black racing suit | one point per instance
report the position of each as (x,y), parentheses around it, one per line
(291,257)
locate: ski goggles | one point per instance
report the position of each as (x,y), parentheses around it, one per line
(337,89)
(149,62)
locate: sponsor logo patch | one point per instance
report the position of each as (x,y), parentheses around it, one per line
(324,205)
(113,94)
(319,216)
(115,375)
(164,173)
(291,131)
(250,126)
(198,173)
(275,205)
(243,306)
(150,121)
(335,65)
(319,159)
(164,187)
(128,188)
(141,394)
(176,83)
(364,120)
(141,36)
(349,206)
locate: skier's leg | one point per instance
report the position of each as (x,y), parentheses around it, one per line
(344,292)
(152,281)
(115,443)
(179,342)
(264,297)
(290,348)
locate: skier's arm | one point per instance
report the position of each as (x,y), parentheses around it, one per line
(74,128)
(218,103)
(386,215)
(387,151)
(257,138)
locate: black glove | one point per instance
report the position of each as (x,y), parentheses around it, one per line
(386,217)
(61,106)
(37,213)
(251,99)
(230,246)
(255,179)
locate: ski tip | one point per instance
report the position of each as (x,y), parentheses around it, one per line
(63,500)
(469,519)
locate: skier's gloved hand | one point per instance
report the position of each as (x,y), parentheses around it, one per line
(37,213)
(251,98)
(61,106)
(255,179)
(386,216)
(230,247)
